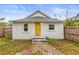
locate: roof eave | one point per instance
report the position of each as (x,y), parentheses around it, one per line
(37,21)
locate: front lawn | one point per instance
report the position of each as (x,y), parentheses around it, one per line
(8,47)
(65,46)
(3,42)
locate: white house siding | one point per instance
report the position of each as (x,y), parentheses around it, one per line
(57,33)
(18,31)
(38,14)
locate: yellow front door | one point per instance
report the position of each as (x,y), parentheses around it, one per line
(37,29)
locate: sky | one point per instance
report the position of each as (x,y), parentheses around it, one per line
(20,11)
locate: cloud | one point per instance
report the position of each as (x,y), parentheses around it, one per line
(62,12)
(8,6)
(59,11)
(74,10)
(22,7)
(18,10)
(13,9)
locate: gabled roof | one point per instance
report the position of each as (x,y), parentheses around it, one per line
(38,12)
(38,18)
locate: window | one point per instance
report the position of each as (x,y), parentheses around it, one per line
(25,27)
(51,27)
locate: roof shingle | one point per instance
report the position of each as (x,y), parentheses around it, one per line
(38,19)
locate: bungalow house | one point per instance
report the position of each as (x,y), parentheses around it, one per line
(37,26)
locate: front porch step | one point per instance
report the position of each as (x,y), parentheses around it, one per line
(39,39)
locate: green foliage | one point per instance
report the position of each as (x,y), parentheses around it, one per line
(76,23)
(2,24)
(3,42)
(69,22)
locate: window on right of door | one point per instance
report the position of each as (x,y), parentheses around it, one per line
(51,27)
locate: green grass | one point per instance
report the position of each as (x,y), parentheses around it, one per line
(65,46)
(12,47)
(3,42)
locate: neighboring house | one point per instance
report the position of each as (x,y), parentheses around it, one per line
(37,25)
(76,18)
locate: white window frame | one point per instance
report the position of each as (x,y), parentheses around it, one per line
(25,27)
(51,28)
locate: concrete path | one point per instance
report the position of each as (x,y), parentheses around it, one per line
(41,48)
(45,49)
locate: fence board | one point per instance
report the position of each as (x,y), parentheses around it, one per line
(2,32)
(72,33)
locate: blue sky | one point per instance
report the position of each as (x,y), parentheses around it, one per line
(19,11)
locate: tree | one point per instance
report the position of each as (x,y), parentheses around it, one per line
(69,22)
(2,24)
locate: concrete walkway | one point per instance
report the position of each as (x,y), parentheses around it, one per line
(45,49)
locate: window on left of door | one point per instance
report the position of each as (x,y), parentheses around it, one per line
(26,27)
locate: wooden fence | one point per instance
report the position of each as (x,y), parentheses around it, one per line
(6,32)
(71,33)
(2,32)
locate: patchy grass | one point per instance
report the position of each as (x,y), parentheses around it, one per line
(3,42)
(38,53)
(12,47)
(65,46)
